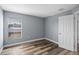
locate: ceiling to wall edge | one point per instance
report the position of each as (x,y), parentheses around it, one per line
(22,14)
(60,14)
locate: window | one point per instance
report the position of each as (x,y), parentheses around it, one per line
(14,28)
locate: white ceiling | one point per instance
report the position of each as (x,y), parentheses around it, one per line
(40,10)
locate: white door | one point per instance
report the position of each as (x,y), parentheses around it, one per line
(66,32)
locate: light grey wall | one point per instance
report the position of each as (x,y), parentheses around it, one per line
(51,28)
(76,9)
(78,28)
(1,29)
(51,25)
(33,27)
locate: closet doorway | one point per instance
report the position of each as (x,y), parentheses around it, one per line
(66,32)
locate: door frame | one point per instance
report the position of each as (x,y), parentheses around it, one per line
(76,29)
(76,34)
(73,31)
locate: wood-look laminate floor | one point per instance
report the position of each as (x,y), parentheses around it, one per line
(40,47)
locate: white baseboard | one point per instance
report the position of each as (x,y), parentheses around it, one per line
(22,42)
(30,41)
(1,50)
(51,40)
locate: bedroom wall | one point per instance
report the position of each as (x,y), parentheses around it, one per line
(33,27)
(74,11)
(1,30)
(78,28)
(51,26)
